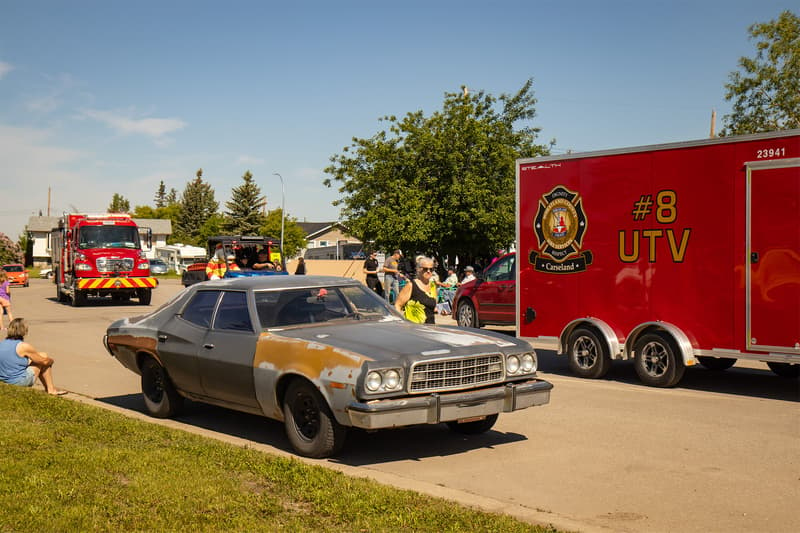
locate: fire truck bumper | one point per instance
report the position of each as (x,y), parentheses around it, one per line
(88,284)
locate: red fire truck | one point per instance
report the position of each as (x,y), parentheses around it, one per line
(669,255)
(100,255)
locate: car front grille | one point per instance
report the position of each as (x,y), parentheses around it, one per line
(105,264)
(461,373)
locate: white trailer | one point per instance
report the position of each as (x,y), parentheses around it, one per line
(179,256)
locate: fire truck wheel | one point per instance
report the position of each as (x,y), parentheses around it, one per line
(657,360)
(78,298)
(160,397)
(716,363)
(60,296)
(588,354)
(466,316)
(473,428)
(784,370)
(145,295)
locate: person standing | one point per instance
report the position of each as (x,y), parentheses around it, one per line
(371,271)
(301,267)
(5,299)
(21,364)
(469,274)
(417,300)
(392,275)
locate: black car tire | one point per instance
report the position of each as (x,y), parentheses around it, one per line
(160,397)
(657,360)
(716,363)
(78,298)
(587,354)
(473,428)
(784,370)
(145,296)
(465,315)
(310,426)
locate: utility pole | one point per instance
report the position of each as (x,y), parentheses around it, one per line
(713,123)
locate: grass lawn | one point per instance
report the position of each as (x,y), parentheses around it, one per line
(67,466)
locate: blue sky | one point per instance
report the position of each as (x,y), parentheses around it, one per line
(104,97)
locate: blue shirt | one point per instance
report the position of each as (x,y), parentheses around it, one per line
(13,368)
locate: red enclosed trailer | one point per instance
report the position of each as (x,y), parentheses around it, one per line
(670,255)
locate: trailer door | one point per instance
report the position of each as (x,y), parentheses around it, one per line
(773,250)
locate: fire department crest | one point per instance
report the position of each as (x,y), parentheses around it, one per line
(560,226)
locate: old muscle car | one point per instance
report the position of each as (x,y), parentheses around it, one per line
(322,354)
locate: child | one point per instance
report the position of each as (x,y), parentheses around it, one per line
(5,299)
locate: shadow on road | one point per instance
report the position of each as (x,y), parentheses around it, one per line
(754,382)
(362,447)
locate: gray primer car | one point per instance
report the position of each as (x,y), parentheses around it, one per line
(322,354)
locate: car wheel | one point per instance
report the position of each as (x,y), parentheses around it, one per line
(473,428)
(657,361)
(310,426)
(160,397)
(145,295)
(716,363)
(50,275)
(784,370)
(588,354)
(465,315)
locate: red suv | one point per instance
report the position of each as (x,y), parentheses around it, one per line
(491,298)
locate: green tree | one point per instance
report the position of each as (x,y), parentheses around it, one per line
(294,238)
(442,184)
(766,90)
(119,204)
(172,197)
(244,216)
(160,199)
(197,205)
(10,252)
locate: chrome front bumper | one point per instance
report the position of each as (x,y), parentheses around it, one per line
(445,407)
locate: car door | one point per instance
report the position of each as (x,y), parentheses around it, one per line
(180,336)
(225,357)
(496,293)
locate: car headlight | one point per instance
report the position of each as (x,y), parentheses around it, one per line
(528,363)
(512,364)
(384,380)
(519,364)
(82,266)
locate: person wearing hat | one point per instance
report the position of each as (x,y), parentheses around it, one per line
(469,274)
(215,268)
(232,266)
(392,275)
(263,262)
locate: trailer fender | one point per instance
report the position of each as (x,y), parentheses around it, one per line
(681,340)
(606,331)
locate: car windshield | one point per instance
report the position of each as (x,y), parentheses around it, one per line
(108,237)
(12,268)
(319,305)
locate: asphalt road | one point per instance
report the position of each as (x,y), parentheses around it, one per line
(721,452)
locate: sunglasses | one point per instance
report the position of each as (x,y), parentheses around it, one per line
(427,269)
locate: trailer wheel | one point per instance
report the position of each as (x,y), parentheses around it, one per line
(657,361)
(145,295)
(465,315)
(784,370)
(588,354)
(716,363)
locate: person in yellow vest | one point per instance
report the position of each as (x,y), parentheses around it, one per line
(215,269)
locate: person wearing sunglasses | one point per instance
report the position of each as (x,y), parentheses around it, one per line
(417,299)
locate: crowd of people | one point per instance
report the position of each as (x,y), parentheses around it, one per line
(242,259)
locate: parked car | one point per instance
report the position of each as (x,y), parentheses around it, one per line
(322,354)
(157,266)
(46,273)
(490,298)
(17,275)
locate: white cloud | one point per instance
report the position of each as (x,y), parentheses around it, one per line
(157,128)
(5,68)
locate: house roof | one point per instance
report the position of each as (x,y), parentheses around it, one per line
(315,229)
(159,226)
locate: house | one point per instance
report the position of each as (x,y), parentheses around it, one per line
(329,240)
(39,228)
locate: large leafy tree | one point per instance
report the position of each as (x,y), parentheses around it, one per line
(10,252)
(294,238)
(440,184)
(119,204)
(244,215)
(766,90)
(197,205)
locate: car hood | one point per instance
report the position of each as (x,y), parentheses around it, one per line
(396,338)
